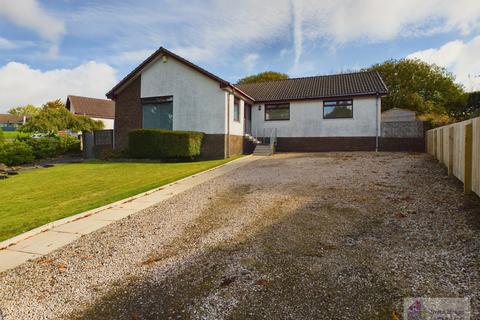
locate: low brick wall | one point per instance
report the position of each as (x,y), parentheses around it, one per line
(321,144)
(402,144)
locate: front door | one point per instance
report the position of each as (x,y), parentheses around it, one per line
(248,119)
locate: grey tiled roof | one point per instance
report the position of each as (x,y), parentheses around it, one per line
(329,86)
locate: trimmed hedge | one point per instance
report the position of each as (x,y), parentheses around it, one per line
(164,144)
(15,153)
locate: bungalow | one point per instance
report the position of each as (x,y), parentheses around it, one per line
(97,109)
(10,122)
(321,113)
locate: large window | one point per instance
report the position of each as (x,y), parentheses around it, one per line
(339,109)
(236,109)
(277,112)
(158,112)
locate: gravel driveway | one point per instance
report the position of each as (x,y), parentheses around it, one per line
(294,236)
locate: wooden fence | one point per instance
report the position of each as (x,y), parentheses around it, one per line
(457,146)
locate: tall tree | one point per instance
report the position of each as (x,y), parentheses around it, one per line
(28,110)
(419,86)
(54,117)
(263,76)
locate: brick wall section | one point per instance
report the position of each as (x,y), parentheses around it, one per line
(213,147)
(236,145)
(402,144)
(128,113)
(321,144)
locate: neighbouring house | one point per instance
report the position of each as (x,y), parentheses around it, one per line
(320,113)
(10,122)
(399,115)
(97,109)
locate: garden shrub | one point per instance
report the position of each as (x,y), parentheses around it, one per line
(50,147)
(164,144)
(69,144)
(15,153)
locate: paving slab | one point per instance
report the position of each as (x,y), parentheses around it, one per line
(113,214)
(10,258)
(82,226)
(44,242)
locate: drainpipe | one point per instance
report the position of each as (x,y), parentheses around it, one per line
(228,125)
(377,123)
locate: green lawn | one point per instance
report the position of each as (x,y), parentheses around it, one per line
(39,196)
(14,134)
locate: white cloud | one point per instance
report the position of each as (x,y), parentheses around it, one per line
(209,29)
(461,58)
(7,44)
(20,84)
(297,30)
(250,61)
(29,14)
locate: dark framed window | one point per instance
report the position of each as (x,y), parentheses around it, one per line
(275,112)
(236,109)
(157,113)
(338,109)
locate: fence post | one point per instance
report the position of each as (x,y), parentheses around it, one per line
(450,150)
(434,150)
(467,175)
(441,147)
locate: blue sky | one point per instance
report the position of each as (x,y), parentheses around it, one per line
(52,48)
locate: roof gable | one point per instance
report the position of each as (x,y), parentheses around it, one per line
(153,57)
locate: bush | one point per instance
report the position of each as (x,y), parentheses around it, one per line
(15,153)
(69,144)
(164,144)
(2,137)
(50,147)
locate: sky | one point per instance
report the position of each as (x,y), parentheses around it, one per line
(52,48)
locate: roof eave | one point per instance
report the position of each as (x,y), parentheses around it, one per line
(380,94)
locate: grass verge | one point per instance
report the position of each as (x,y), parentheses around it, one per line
(39,196)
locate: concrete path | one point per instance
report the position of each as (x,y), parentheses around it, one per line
(45,239)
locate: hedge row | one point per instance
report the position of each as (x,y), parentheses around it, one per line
(25,150)
(164,144)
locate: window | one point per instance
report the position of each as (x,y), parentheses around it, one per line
(339,109)
(236,109)
(158,113)
(277,112)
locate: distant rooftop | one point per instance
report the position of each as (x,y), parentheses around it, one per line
(99,108)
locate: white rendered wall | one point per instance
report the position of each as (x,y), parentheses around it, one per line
(236,127)
(198,101)
(306,120)
(107,123)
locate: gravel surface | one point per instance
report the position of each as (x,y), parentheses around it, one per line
(294,236)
